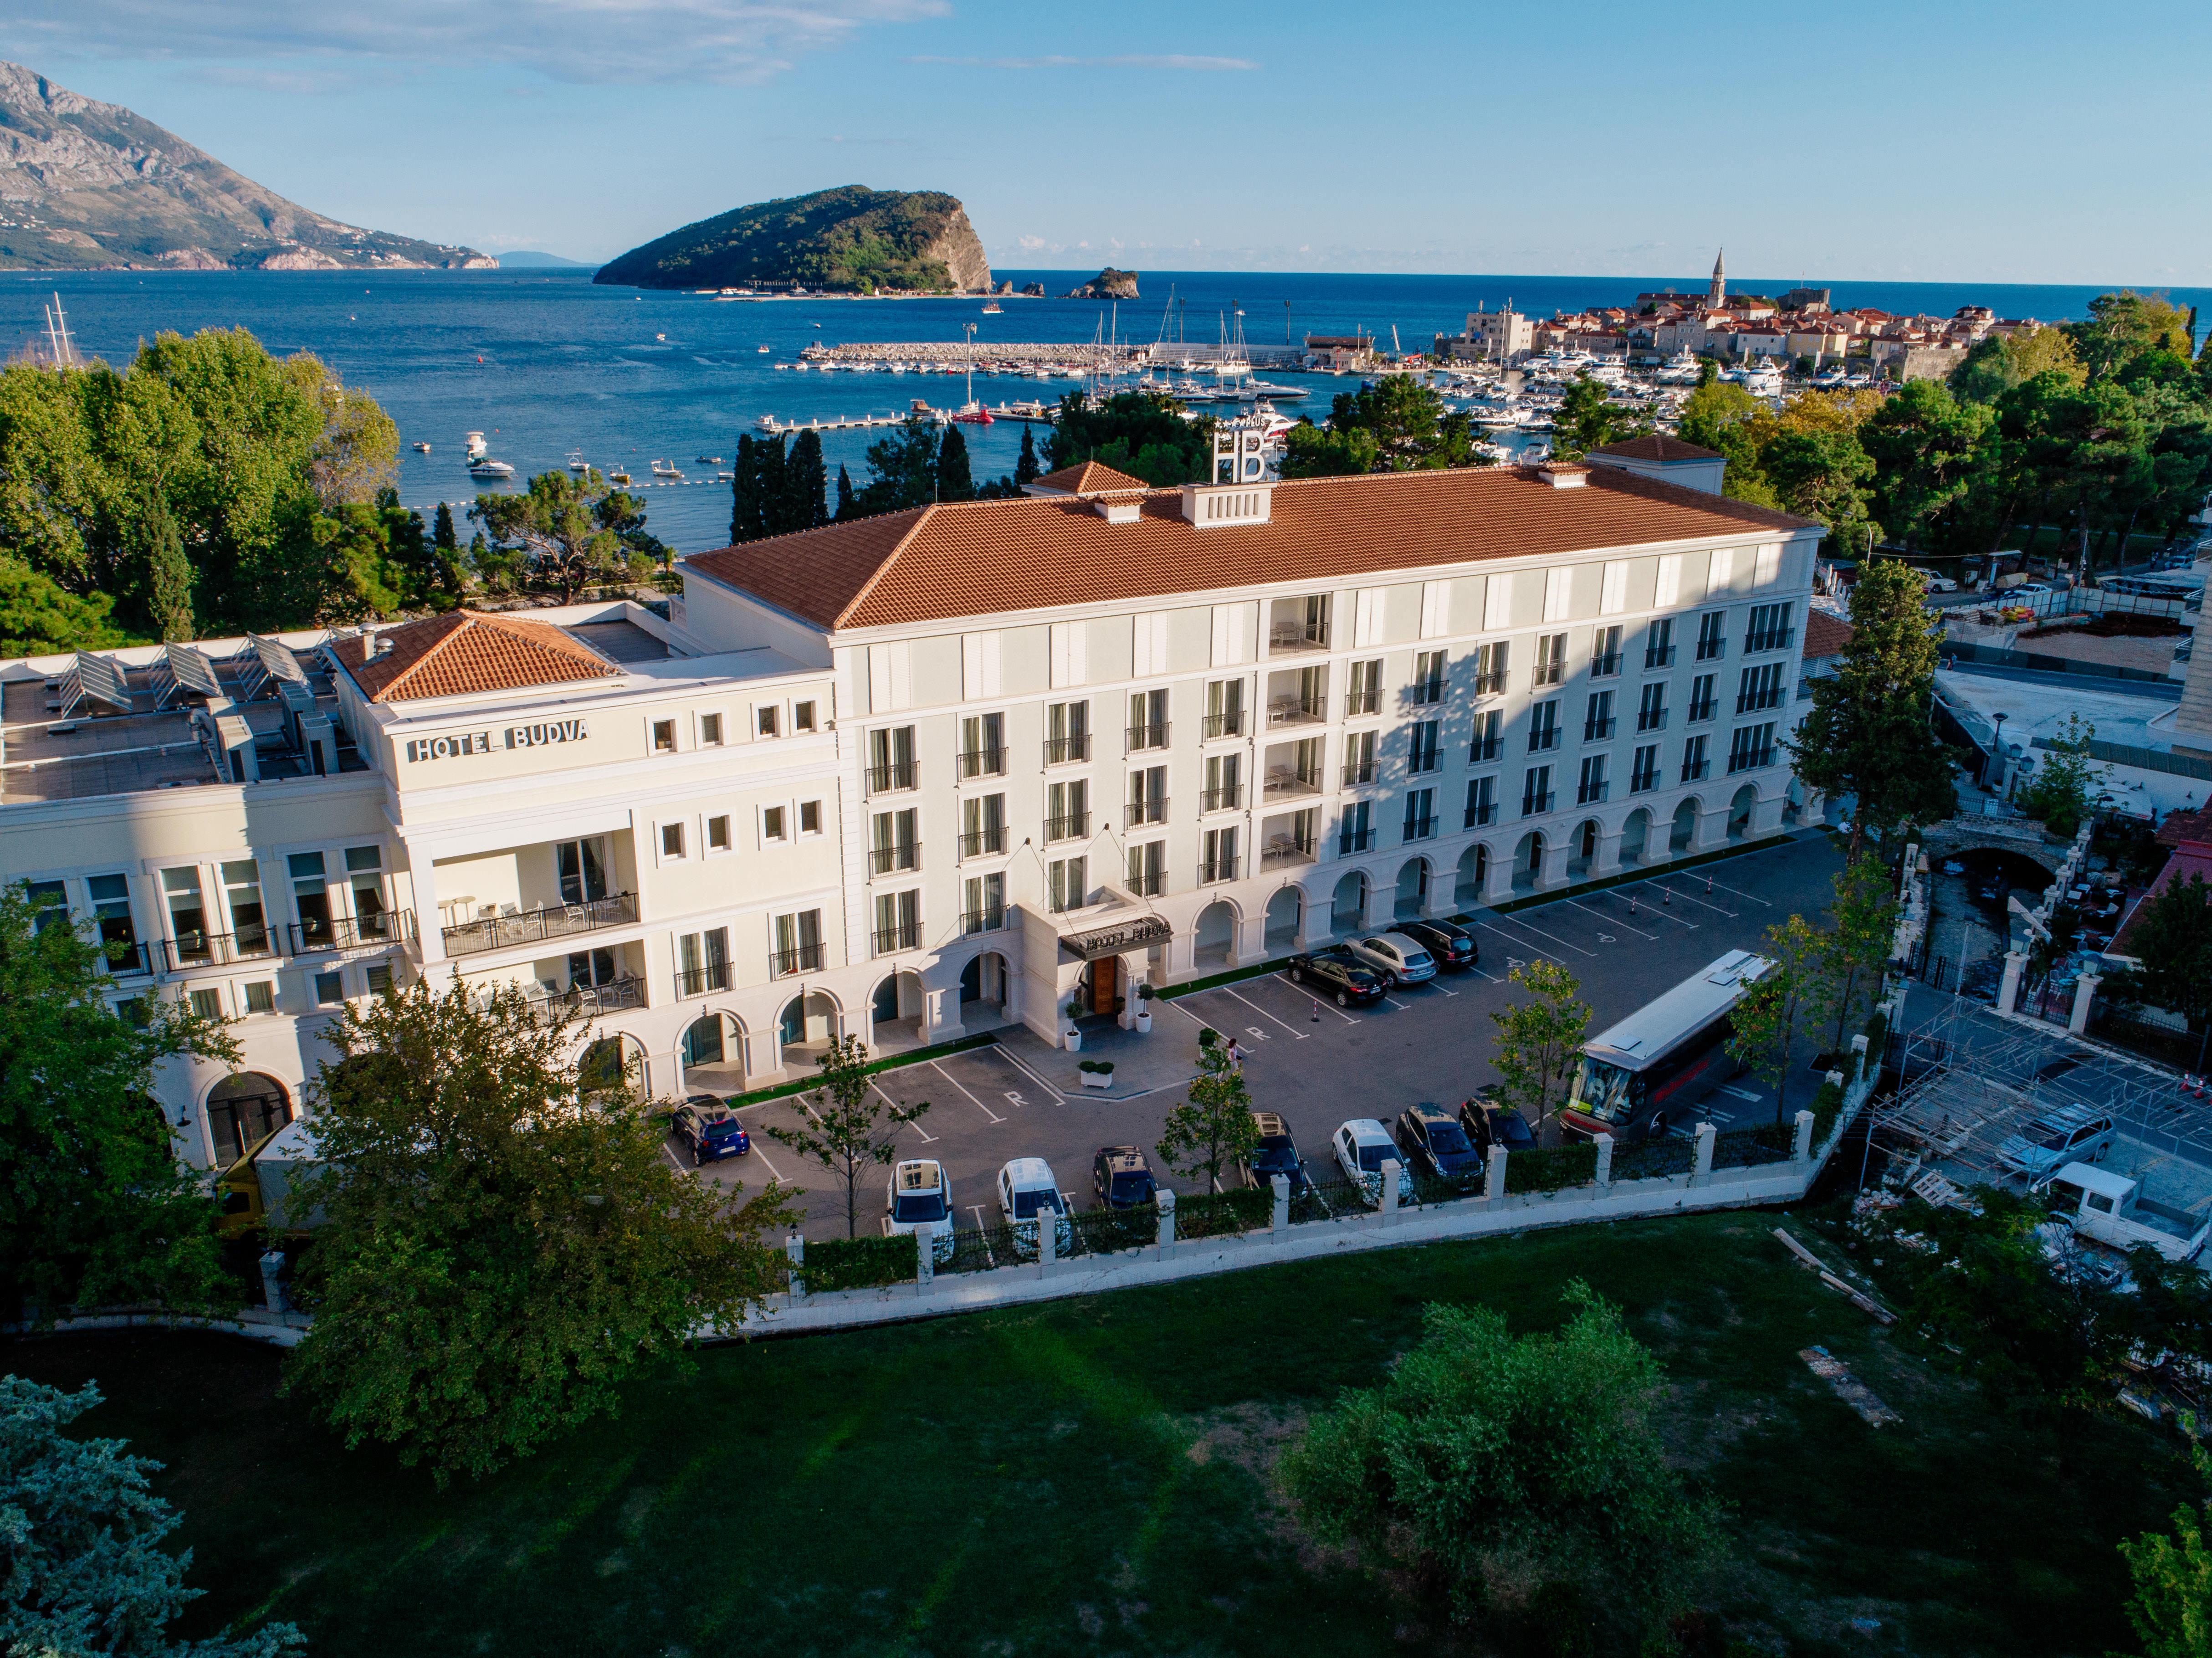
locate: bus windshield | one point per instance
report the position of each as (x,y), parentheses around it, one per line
(1604,1090)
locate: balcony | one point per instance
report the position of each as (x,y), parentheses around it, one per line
(1284,638)
(1711,649)
(907,935)
(1696,771)
(1598,730)
(1773,639)
(532,926)
(1481,814)
(1543,739)
(589,1001)
(1219,869)
(1753,701)
(1425,691)
(352,931)
(1359,773)
(1702,710)
(983,843)
(126,958)
(1589,794)
(1295,711)
(987,919)
(1652,720)
(698,981)
(1285,782)
(1141,738)
(882,860)
(1357,703)
(803,958)
(1421,828)
(1230,724)
(1535,805)
(1642,782)
(1228,799)
(1352,840)
(1547,673)
(197,949)
(1067,751)
(889,779)
(1490,684)
(1486,748)
(1151,809)
(1072,827)
(1659,656)
(1281,849)
(1605,666)
(983,762)
(1148,883)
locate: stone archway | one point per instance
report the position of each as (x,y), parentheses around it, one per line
(1528,862)
(1412,899)
(1213,940)
(1286,913)
(610,1069)
(1581,849)
(805,1028)
(1742,809)
(1682,833)
(1636,838)
(714,1052)
(1473,871)
(1347,909)
(242,1110)
(986,984)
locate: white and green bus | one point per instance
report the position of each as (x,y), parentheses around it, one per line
(1642,1077)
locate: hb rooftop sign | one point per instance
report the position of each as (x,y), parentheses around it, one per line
(536,736)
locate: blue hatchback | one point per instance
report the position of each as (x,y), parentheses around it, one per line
(711,1129)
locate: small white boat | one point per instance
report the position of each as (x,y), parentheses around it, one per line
(475,444)
(761,350)
(421,449)
(661,337)
(576,462)
(486,467)
(992,308)
(662,469)
(707,460)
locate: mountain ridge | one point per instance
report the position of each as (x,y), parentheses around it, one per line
(849,238)
(91,186)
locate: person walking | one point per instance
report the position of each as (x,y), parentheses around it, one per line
(1235,1055)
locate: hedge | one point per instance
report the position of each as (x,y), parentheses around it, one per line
(859,1263)
(1550,1167)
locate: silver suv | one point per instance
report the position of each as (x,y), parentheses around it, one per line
(1396,958)
(2046,1144)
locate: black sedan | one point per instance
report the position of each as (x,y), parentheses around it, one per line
(711,1129)
(1435,1137)
(1337,974)
(1488,1125)
(1452,944)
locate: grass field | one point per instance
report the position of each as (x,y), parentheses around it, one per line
(1092,1476)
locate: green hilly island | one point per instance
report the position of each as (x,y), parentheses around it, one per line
(850,240)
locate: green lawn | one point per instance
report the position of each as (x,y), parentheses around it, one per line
(1089,1476)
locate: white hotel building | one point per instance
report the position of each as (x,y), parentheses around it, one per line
(927,774)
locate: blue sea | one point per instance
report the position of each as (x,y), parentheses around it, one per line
(546,363)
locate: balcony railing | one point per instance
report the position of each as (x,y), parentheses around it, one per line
(1282,780)
(1294,711)
(547,921)
(900,774)
(1148,809)
(195,948)
(1605,665)
(1486,748)
(882,860)
(1771,639)
(698,981)
(1224,725)
(1751,759)
(1696,771)
(1589,793)
(1642,782)
(1148,883)
(1295,639)
(1752,701)
(1218,869)
(1597,731)
(1358,702)
(1542,738)
(1710,649)
(1286,849)
(1490,684)
(907,935)
(1228,799)
(1421,828)
(1425,691)
(1548,673)
(1350,841)
(1065,751)
(591,1000)
(1535,805)
(1652,720)
(983,843)
(1146,737)
(1359,772)
(1701,710)
(1659,656)
(1481,813)
(1072,826)
(987,919)
(983,762)
(803,958)
(126,958)
(352,931)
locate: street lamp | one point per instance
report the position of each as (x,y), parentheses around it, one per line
(1996,752)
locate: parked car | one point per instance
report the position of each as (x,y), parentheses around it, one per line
(1122,1177)
(1941,584)
(711,1129)
(2045,1145)
(1027,1191)
(1337,974)
(1363,1146)
(1276,1153)
(1396,958)
(1434,1137)
(1488,1123)
(1452,944)
(919,1199)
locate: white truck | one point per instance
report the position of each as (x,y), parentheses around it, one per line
(2110,1209)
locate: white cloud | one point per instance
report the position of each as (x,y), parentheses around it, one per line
(587,41)
(1125,60)
(1031,244)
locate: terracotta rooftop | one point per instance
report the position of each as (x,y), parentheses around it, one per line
(464,654)
(1657,447)
(1825,635)
(1090,479)
(2188,860)
(976,558)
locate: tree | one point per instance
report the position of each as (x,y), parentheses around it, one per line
(1863,914)
(1586,420)
(99,1210)
(2124,328)
(1139,433)
(498,1255)
(1409,425)
(2059,793)
(1925,445)
(1215,1126)
(2171,1606)
(558,525)
(902,470)
(852,1133)
(1729,420)
(39,616)
(1868,734)
(1312,452)
(1821,475)
(955,480)
(805,486)
(1772,1014)
(88,1571)
(847,506)
(168,575)
(1025,463)
(1486,1458)
(1538,1039)
(2171,939)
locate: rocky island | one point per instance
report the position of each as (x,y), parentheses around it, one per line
(851,240)
(1108,284)
(94,186)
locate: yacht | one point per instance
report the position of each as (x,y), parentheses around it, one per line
(485,467)
(421,449)
(1763,380)
(576,462)
(992,308)
(475,445)
(662,469)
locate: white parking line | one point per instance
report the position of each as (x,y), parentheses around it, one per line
(1499,926)
(1262,1011)
(927,1138)
(1015,1059)
(1515,920)
(1395,1002)
(1647,911)
(1303,989)
(771,1168)
(1611,920)
(1691,897)
(1763,903)
(955,1082)
(673,1158)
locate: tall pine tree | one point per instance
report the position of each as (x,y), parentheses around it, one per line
(956,480)
(845,505)
(1025,465)
(805,484)
(168,574)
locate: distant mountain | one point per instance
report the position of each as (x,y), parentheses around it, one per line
(850,240)
(91,186)
(526,261)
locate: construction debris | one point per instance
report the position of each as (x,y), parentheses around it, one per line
(1847,1386)
(1865,1303)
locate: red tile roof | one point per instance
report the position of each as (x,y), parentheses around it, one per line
(1090,479)
(2188,860)
(466,653)
(1657,447)
(1825,635)
(976,558)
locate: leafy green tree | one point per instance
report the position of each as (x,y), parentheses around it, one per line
(1586,420)
(1925,445)
(2059,795)
(2172,1574)
(1313,452)
(1487,1459)
(1139,433)
(1867,734)
(560,524)
(497,1255)
(168,575)
(955,479)
(2171,939)
(855,1125)
(1999,362)
(1408,420)
(1864,915)
(1771,1017)
(1539,1038)
(88,1571)
(902,470)
(1215,1126)
(98,1211)
(1727,419)
(1822,475)
(39,616)
(2124,328)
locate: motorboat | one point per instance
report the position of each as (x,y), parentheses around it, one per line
(577,463)
(708,460)
(662,469)
(974,414)
(620,479)
(421,449)
(992,308)
(485,467)
(475,444)
(763,349)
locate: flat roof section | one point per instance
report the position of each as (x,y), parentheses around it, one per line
(77,759)
(622,642)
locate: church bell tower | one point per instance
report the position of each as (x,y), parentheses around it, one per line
(1716,295)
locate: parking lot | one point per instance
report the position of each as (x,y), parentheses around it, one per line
(1314,1062)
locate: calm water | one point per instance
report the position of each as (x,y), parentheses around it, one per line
(546,363)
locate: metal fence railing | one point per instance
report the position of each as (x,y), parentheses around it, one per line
(1746,1148)
(1645,1159)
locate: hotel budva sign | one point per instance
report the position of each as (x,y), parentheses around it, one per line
(542,734)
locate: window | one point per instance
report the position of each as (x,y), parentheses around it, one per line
(1217,855)
(982,825)
(1067,880)
(49,902)
(1491,662)
(1551,660)
(891,759)
(898,921)
(110,908)
(982,746)
(798,943)
(365,876)
(1597,717)
(1759,688)
(1489,740)
(1659,644)
(1652,706)
(249,917)
(1224,707)
(702,962)
(663,737)
(1359,758)
(1308,699)
(1148,720)
(1067,811)
(710,730)
(1421,752)
(1365,694)
(1066,733)
(772,824)
(1544,726)
(329,989)
(1356,832)
(1224,783)
(1605,652)
(802,717)
(1481,802)
(582,867)
(1536,791)
(718,833)
(1751,747)
(1148,869)
(590,969)
(208,1003)
(1702,699)
(1694,763)
(671,840)
(1713,634)
(1590,787)
(1428,676)
(767,720)
(1148,795)
(1644,770)
(983,906)
(894,842)
(810,817)
(188,927)
(379,976)
(261,996)
(1420,814)
(1770,628)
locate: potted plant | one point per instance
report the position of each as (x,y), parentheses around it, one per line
(1144,1009)
(1097,1074)
(1073,1034)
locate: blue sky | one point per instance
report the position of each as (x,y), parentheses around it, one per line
(2023,143)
